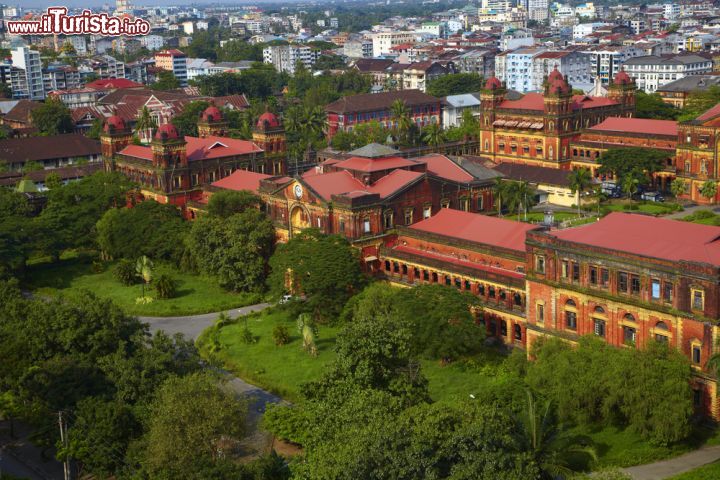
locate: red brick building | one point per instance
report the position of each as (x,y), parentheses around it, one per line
(348,112)
(697,154)
(630,279)
(538,128)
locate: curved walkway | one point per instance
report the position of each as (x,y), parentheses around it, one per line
(675,466)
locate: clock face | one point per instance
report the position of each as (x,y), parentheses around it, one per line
(298,190)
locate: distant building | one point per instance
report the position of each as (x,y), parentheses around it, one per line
(26,74)
(152,42)
(383,42)
(652,72)
(285,57)
(675,93)
(455,105)
(174,61)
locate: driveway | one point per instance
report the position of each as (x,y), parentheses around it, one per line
(675,466)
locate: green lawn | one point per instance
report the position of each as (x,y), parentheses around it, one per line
(652,208)
(704,217)
(195,294)
(540,216)
(706,472)
(283,369)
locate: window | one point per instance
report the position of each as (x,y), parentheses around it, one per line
(655,289)
(604,277)
(576,272)
(564,269)
(540,313)
(593,275)
(427,211)
(480,202)
(697,397)
(481,289)
(388,219)
(503,328)
(445,203)
(408,216)
(570,315)
(342,225)
(634,284)
(366,225)
(668,291)
(540,263)
(518,332)
(698,299)
(599,327)
(629,335)
(622,282)
(660,338)
(491,291)
(696,354)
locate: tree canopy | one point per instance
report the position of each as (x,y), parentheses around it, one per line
(455,84)
(166,80)
(52,117)
(651,105)
(637,162)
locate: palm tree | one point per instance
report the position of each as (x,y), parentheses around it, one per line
(629,185)
(709,189)
(500,191)
(145,124)
(538,433)
(469,124)
(433,135)
(580,179)
(143,269)
(677,187)
(525,196)
(401,115)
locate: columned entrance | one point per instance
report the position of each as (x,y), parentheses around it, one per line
(299,219)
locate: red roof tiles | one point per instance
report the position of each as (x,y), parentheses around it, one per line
(478,228)
(201,148)
(112,83)
(638,125)
(650,237)
(241,180)
(710,114)
(442,166)
(362,164)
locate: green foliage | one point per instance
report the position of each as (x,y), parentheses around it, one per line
(455,84)
(287,422)
(281,335)
(16,230)
(52,117)
(698,102)
(237,50)
(186,121)
(190,420)
(709,189)
(648,390)
(318,91)
(235,249)
(149,228)
(225,203)
(651,105)
(260,81)
(53,181)
(166,80)
(323,267)
(329,62)
(677,187)
(638,163)
(124,272)
(95,129)
(165,286)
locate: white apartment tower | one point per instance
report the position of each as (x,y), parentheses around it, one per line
(26,74)
(285,57)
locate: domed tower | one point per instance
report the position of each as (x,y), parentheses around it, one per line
(491,96)
(170,154)
(269,134)
(115,136)
(558,94)
(212,123)
(622,90)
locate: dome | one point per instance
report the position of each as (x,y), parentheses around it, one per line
(113,124)
(268,120)
(493,83)
(555,75)
(166,132)
(212,114)
(559,86)
(622,78)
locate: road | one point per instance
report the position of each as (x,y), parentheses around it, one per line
(675,466)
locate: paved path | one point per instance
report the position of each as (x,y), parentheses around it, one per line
(191,326)
(675,466)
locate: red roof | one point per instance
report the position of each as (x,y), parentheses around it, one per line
(172,53)
(328,184)
(457,261)
(166,131)
(654,237)
(241,180)
(137,151)
(362,164)
(530,101)
(442,166)
(478,228)
(218,147)
(268,120)
(393,182)
(638,125)
(112,83)
(585,102)
(712,113)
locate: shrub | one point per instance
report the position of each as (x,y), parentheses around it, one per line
(98,266)
(165,286)
(289,423)
(281,335)
(247,336)
(124,272)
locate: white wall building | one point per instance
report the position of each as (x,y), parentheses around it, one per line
(651,72)
(384,41)
(574,64)
(285,57)
(518,69)
(26,74)
(152,42)
(455,105)
(516,38)
(538,10)
(606,61)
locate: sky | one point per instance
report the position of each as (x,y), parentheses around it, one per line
(99,3)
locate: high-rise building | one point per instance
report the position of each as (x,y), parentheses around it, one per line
(26,74)
(285,57)
(122,6)
(174,61)
(538,10)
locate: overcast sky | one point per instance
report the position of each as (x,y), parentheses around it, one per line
(99,3)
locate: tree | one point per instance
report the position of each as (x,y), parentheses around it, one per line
(641,162)
(16,231)
(677,187)
(455,84)
(143,269)
(166,80)
(52,117)
(500,193)
(629,184)
(469,124)
(433,135)
(401,118)
(146,124)
(95,129)
(709,189)
(699,101)
(580,180)
(186,122)
(323,267)
(235,249)
(192,419)
(651,105)
(225,203)
(552,448)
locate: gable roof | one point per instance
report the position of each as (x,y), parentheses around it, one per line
(201,148)
(536,101)
(374,150)
(475,227)
(642,126)
(377,101)
(362,164)
(20,112)
(48,148)
(710,114)
(241,180)
(443,167)
(648,236)
(534,174)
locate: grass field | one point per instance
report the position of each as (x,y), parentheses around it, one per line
(540,216)
(703,217)
(706,472)
(652,208)
(284,369)
(195,294)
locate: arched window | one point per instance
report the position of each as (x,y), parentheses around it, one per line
(570,315)
(570,303)
(629,317)
(661,326)
(600,310)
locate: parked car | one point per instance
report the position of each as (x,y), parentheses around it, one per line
(652,197)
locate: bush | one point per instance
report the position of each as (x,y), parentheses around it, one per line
(165,286)
(124,272)
(247,336)
(281,335)
(289,423)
